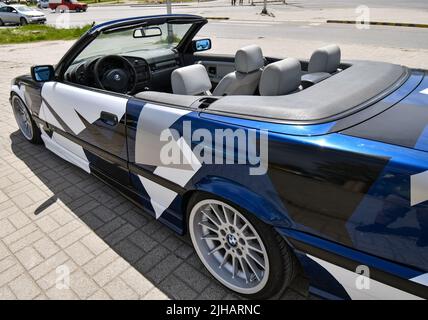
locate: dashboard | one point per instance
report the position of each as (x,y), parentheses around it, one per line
(152,72)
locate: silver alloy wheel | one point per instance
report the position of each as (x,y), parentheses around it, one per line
(229,246)
(22,117)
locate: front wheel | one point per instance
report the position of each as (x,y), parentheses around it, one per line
(23,22)
(25,123)
(240,251)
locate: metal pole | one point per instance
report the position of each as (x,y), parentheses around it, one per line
(168,7)
(264,11)
(169,26)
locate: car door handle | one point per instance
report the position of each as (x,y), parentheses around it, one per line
(109,118)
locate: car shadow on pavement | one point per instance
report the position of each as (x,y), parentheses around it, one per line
(166,259)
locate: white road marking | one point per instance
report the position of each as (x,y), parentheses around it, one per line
(244,23)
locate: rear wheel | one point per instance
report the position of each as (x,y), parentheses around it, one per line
(241,252)
(23,21)
(25,123)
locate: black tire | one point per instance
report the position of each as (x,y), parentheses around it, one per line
(23,22)
(282,262)
(37,136)
(1,23)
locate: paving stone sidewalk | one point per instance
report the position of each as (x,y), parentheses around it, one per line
(55,218)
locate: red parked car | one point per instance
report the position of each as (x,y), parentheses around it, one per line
(72,5)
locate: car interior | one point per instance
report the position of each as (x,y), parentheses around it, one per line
(249,73)
(247,84)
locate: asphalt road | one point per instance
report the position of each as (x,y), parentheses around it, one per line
(318,4)
(389,37)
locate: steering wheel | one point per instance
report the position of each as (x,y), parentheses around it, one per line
(115,73)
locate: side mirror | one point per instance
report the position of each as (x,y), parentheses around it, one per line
(14,11)
(201,45)
(43,73)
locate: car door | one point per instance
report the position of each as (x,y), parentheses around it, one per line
(159,183)
(13,15)
(88,127)
(6,14)
(3,14)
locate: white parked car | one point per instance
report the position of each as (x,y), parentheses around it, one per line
(20,14)
(43,4)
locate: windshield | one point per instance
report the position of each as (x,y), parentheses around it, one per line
(124,42)
(24,9)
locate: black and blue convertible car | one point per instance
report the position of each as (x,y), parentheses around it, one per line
(271,166)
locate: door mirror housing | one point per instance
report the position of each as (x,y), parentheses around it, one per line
(43,73)
(201,45)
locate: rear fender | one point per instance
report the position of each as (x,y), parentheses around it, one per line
(240,196)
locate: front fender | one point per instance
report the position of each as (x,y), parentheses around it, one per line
(29,91)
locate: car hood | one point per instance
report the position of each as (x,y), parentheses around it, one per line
(404,124)
(33,13)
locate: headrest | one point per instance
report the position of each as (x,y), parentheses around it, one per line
(190,80)
(249,59)
(325,59)
(280,77)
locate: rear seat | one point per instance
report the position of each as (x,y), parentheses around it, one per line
(324,62)
(281,78)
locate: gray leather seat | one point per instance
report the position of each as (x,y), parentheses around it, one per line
(280,78)
(244,81)
(191,80)
(325,59)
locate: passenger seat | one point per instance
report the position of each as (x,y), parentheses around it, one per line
(281,78)
(249,62)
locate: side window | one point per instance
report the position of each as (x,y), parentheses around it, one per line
(3,9)
(9,9)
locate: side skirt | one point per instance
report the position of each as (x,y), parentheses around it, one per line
(134,197)
(62,146)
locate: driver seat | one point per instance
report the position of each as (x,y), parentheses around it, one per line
(249,62)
